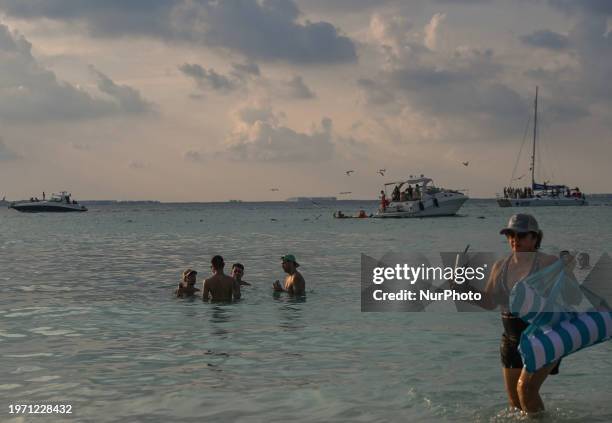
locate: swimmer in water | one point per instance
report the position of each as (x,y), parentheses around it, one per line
(186,287)
(237,274)
(219,287)
(294,281)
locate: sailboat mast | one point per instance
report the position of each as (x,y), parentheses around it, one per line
(535,131)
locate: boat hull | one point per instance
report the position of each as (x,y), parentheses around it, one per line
(35,207)
(541,202)
(411,209)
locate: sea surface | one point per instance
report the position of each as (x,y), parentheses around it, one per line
(87,318)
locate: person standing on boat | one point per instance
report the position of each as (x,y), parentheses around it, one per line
(524,238)
(383,201)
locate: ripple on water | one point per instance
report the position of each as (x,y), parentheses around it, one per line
(49,331)
(12,335)
(26,369)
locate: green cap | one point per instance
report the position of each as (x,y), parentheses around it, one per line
(290,257)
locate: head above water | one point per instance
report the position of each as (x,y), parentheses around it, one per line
(289,262)
(523,233)
(237,270)
(217,262)
(189,275)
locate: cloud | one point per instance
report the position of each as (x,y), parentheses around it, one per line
(30,92)
(296,88)
(431,30)
(245,70)
(258,136)
(391,34)
(128,99)
(206,79)
(598,7)
(263,29)
(137,165)
(5,153)
(194,156)
(546,39)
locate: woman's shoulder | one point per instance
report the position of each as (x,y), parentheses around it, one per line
(546,259)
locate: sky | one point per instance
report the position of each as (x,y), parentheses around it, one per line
(196,100)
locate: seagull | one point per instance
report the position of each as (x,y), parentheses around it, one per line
(465,163)
(348,172)
(382,171)
(273,189)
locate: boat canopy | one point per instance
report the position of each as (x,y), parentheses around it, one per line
(422,180)
(536,186)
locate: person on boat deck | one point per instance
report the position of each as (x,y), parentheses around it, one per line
(395,196)
(186,287)
(524,238)
(294,281)
(409,192)
(219,287)
(417,192)
(383,203)
(404,195)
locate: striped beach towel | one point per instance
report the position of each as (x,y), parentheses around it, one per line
(549,301)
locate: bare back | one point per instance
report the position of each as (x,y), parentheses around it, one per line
(218,288)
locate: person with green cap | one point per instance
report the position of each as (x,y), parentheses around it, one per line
(294,281)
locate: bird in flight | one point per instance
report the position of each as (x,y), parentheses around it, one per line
(348,172)
(465,163)
(273,189)
(382,171)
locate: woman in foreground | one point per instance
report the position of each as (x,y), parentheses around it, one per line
(524,238)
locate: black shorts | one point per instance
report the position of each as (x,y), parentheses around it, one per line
(511,357)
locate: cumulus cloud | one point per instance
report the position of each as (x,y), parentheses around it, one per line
(258,136)
(264,29)
(546,39)
(431,30)
(392,35)
(30,92)
(463,89)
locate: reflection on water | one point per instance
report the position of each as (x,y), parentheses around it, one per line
(96,323)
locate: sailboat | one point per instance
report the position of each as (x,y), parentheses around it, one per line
(540,194)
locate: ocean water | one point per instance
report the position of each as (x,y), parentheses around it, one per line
(87,318)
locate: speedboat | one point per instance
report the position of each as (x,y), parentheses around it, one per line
(58,203)
(421,198)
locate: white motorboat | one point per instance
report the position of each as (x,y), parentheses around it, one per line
(538,194)
(58,203)
(420,198)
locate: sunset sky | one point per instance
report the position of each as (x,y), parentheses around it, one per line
(193,100)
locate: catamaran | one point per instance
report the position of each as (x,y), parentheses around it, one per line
(540,194)
(419,198)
